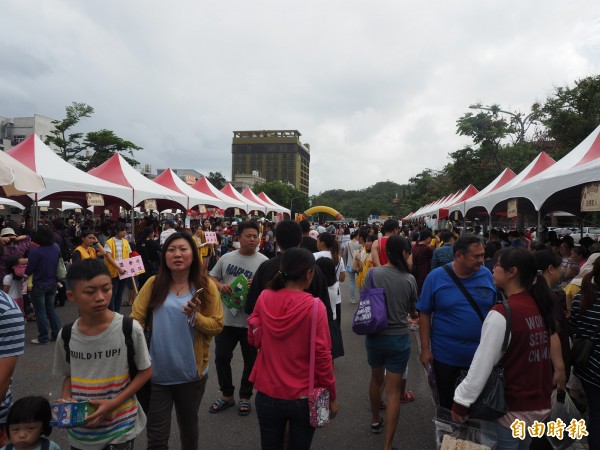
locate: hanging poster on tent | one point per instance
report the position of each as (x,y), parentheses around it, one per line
(150,205)
(236,212)
(590,197)
(456,216)
(511,208)
(202,209)
(94,199)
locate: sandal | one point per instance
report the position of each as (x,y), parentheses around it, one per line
(409,396)
(244,408)
(219,405)
(377,427)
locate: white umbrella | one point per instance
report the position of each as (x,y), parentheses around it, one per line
(17,179)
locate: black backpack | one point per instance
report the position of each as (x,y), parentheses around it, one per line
(66,247)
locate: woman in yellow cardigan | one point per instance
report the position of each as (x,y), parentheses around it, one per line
(182,308)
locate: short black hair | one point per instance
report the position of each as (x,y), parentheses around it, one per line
(390,225)
(446,236)
(30,409)
(288,234)
(305,225)
(44,236)
(465,241)
(248,224)
(86,270)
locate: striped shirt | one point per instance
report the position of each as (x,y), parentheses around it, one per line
(12,340)
(586,324)
(99,370)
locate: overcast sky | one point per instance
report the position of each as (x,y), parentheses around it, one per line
(375,87)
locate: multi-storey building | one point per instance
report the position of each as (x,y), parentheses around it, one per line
(277,155)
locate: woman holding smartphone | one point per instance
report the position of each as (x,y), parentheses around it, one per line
(180,297)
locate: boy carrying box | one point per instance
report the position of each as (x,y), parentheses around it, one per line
(97,368)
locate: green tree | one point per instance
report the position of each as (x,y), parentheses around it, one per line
(572,113)
(217,179)
(104,144)
(69,145)
(284,195)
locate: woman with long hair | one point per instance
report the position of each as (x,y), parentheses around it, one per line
(389,350)
(180,297)
(42,264)
(585,322)
(280,326)
(365,262)
(530,357)
(329,248)
(205,249)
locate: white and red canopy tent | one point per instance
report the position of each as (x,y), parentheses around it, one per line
(170,180)
(207,188)
(264,197)
(270,207)
(63,181)
(16,179)
(432,209)
(505,176)
(541,163)
(467,193)
(248,205)
(558,187)
(119,171)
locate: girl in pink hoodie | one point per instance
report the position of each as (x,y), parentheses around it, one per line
(280,328)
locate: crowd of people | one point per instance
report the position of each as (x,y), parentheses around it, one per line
(274,289)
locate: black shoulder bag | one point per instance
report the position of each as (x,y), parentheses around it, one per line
(491,403)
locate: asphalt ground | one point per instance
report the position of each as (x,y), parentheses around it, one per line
(226,430)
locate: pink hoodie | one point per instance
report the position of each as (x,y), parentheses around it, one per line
(280,328)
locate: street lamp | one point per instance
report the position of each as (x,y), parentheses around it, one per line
(292,204)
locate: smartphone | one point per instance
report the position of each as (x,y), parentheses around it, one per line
(192,314)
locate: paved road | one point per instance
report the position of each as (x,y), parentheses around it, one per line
(227,430)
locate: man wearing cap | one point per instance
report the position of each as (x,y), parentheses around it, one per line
(168,231)
(12,245)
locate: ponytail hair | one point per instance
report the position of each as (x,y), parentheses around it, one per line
(531,279)
(295,264)
(332,245)
(395,248)
(589,286)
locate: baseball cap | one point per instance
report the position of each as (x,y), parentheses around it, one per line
(170,222)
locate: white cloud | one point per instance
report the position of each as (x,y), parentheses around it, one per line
(375,88)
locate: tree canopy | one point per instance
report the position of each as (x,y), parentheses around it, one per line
(284,194)
(98,145)
(217,179)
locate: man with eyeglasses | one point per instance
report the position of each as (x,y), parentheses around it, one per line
(449,325)
(244,261)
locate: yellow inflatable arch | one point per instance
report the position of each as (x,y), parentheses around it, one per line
(325,209)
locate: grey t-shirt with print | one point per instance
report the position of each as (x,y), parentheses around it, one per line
(227,270)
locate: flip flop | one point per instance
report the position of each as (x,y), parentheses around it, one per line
(219,405)
(409,396)
(244,408)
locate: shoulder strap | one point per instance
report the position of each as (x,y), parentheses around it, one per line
(508,316)
(313,338)
(463,289)
(127,332)
(66,337)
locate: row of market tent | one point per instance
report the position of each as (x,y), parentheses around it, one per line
(32,171)
(543,187)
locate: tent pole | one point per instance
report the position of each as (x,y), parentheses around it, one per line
(539,224)
(36,213)
(133,214)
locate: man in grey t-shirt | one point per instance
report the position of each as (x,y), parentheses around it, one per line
(244,261)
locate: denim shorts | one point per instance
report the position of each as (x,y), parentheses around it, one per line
(391,352)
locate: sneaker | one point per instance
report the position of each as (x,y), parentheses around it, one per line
(377,427)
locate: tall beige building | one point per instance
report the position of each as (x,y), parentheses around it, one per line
(277,155)
(16,129)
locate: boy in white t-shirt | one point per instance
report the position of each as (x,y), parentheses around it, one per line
(98,368)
